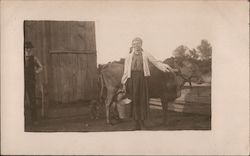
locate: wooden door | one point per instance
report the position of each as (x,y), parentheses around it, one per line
(73,66)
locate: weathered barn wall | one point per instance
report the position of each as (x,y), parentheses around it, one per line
(67,51)
(72,78)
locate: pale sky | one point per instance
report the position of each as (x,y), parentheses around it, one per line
(162,25)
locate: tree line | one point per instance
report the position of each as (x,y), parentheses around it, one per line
(201,55)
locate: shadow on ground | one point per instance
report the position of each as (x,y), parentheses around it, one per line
(176,121)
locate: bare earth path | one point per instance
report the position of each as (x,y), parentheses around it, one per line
(176,121)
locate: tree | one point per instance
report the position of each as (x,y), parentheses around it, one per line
(193,54)
(205,50)
(180,51)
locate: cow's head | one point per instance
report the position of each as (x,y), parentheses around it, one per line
(188,72)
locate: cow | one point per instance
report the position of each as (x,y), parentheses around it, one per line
(166,86)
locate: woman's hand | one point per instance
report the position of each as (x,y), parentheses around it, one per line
(169,69)
(124,88)
(166,70)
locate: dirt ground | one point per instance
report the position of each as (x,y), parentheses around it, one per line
(176,121)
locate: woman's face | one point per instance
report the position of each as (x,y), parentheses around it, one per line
(137,44)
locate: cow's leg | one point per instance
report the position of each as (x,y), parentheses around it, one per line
(164,110)
(115,110)
(108,102)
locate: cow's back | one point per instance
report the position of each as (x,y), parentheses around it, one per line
(112,74)
(162,84)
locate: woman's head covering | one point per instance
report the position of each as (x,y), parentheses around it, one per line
(130,49)
(137,39)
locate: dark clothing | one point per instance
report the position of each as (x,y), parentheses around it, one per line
(137,62)
(137,88)
(30,94)
(29,70)
(30,87)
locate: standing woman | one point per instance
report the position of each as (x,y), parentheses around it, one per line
(135,80)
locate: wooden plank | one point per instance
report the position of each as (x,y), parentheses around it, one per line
(56,73)
(43,51)
(180,107)
(84,76)
(64,83)
(74,72)
(51,83)
(53,88)
(92,77)
(87,78)
(70,79)
(78,78)
(69,88)
(49,65)
(58,81)
(62,79)
(65,51)
(75,37)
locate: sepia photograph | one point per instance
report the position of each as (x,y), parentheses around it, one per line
(67,88)
(127,77)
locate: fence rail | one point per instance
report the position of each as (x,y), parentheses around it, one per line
(195,99)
